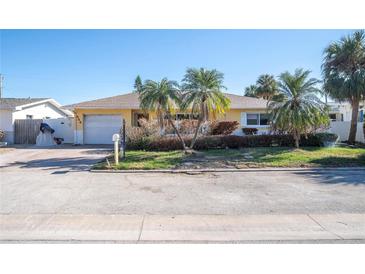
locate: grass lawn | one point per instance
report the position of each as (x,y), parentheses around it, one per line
(145,160)
(290,157)
(242,158)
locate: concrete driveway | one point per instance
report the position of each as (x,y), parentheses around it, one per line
(59,158)
(48,194)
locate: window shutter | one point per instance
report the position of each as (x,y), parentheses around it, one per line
(243,119)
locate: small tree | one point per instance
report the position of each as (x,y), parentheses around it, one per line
(251,91)
(203,95)
(267,87)
(138,84)
(162,97)
(300,111)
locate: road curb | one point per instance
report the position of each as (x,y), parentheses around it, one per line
(222,170)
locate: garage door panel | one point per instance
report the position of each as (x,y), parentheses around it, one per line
(99,129)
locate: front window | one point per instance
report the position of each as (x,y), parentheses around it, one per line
(333,117)
(264,119)
(257,119)
(182,116)
(185,116)
(195,116)
(137,117)
(252,119)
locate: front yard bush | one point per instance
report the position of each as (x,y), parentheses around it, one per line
(224,127)
(2,135)
(327,137)
(226,141)
(187,126)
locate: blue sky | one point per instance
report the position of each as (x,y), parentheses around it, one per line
(79,65)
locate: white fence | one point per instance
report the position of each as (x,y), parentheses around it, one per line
(64,128)
(342,129)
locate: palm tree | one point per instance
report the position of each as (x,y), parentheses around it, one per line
(301,110)
(137,84)
(202,93)
(344,74)
(251,91)
(267,87)
(162,97)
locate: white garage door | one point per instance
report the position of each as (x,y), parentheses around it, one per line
(99,129)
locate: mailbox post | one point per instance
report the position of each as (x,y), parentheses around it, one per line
(123,140)
(116,138)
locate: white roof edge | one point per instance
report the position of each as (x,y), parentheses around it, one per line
(51,101)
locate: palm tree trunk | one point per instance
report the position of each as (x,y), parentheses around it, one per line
(296,136)
(354,117)
(160,122)
(200,120)
(177,133)
(206,113)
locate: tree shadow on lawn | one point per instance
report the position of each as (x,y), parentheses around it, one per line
(334,161)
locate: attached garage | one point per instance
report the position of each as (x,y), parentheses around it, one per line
(99,129)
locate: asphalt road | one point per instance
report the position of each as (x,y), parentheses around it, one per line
(39,187)
(56,182)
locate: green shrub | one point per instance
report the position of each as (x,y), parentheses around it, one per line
(140,137)
(2,135)
(327,137)
(166,144)
(225,141)
(140,143)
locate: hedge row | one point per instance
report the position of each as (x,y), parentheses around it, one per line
(224,141)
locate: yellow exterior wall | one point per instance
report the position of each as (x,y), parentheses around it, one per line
(235,114)
(230,115)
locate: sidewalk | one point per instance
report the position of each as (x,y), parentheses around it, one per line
(182,228)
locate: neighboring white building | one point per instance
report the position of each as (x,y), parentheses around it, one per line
(340,115)
(342,112)
(27,108)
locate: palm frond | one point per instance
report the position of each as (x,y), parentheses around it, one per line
(202,91)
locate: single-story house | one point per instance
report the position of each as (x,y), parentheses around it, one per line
(12,109)
(96,121)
